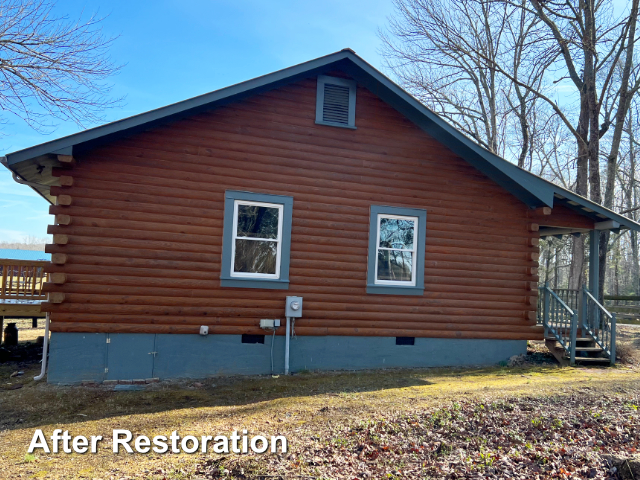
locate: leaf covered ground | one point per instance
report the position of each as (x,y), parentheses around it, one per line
(560,436)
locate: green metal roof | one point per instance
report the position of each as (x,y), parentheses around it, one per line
(34,164)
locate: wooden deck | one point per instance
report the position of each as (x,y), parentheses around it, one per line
(21,283)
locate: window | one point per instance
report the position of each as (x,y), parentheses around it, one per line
(256,240)
(405,340)
(396,251)
(336,102)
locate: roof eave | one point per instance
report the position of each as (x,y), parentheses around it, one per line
(532,190)
(176,109)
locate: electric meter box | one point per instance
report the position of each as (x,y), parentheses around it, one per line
(293,307)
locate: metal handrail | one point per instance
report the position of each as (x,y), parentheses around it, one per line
(598,303)
(603,331)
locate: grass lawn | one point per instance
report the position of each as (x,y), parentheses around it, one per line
(373,424)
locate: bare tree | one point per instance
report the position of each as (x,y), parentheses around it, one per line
(425,50)
(52,68)
(590,42)
(432,46)
(580,44)
(27,243)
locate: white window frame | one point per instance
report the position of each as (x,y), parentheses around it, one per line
(413,251)
(235,237)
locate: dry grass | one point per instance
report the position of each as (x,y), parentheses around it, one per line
(628,344)
(627,353)
(298,406)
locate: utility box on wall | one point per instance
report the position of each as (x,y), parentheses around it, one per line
(293,307)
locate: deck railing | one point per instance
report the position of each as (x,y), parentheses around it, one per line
(560,321)
(22,280)
(599,323)
(569,296)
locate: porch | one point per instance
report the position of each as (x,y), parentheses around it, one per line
(578,329)
(21,283)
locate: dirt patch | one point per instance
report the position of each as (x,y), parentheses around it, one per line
(22,355)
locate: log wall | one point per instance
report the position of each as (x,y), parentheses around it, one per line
(139,227)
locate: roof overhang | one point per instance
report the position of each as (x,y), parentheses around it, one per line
(34,164)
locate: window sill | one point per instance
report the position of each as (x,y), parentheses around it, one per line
(394,290)
(339,125)
(236,282)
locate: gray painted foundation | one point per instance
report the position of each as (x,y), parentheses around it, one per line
(78,357)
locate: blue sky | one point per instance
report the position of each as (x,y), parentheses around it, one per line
(173,50)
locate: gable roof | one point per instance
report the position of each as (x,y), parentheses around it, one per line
(34,164)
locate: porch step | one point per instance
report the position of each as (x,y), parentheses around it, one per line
(589,349)
(557,351)
(584,355)
(593,360)
(579,339)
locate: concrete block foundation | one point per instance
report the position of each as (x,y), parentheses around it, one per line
(96,357)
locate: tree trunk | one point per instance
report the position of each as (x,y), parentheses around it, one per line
(612,159)
(633,200)
(576,272)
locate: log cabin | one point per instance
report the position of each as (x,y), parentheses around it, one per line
(318,217)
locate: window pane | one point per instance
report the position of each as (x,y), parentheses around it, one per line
(396,233)
(257,222)
(394,265)
(254,256)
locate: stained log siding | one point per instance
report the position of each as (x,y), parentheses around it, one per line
(141,228)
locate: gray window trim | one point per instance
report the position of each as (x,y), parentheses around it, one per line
(322,79)
(418,288)
(226,280)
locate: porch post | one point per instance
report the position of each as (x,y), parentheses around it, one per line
(594,282)
(594,262)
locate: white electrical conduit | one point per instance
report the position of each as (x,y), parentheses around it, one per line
(45,347)
(286,346)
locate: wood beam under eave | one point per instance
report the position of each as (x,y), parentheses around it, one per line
(607,225)
(67,161)
(552,232)
(542,211)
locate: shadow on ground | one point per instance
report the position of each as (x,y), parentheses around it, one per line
(25,403)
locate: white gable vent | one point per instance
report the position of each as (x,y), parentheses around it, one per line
(336,102)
